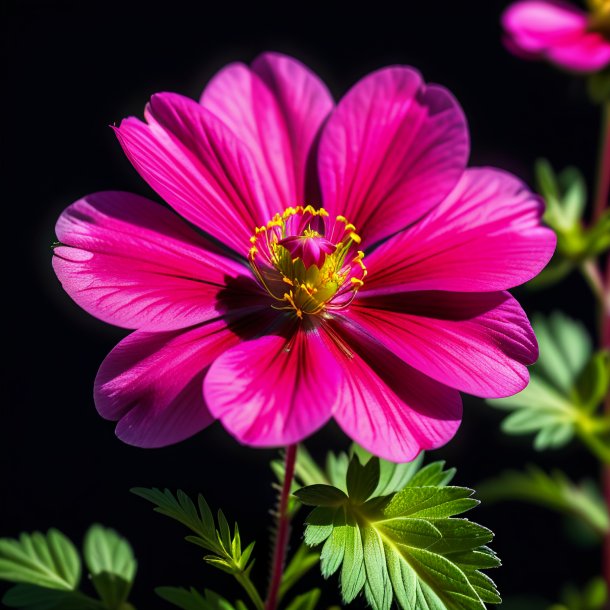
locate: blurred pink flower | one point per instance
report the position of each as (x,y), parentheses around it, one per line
(373,310)
(560,33)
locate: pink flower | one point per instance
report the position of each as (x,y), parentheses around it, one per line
(375,309)
(560,33)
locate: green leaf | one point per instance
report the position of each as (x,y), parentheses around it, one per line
(593,383)
(191,599)
(361,481)
(226,547)
(553,491)
(567,385)
(307,601)
(32,597)
(565,195)
(49,560)
(111,563)
(320,495)
(302,561)
(407,546)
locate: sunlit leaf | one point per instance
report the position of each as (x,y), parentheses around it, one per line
(405,546)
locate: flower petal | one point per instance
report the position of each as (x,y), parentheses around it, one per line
(199,167)
(152,382)
(556,30)
(132,263)
(274,390)
(276,108)
(485,236)
(391,151)
(478,343)
(388,407)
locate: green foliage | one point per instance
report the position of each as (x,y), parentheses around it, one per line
(306,601)
(48,568)
(391,531)
(553,491)
(111,564)
(302,561)
(225,547)
(565,195)
(191,599)
(49,560)
(567,385)
(593,597)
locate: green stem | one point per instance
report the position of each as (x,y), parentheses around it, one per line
(598,447)
(593,276)
(250,589)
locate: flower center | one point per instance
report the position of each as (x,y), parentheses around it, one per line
(307,262)
(599,16)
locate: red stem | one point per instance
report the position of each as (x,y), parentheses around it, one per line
(601,203)
(283,531)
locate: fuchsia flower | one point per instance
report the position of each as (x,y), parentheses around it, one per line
(560,33)
(350,265)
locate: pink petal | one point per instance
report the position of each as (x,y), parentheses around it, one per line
(152,382)
(388,407)
(486,236)
(276,108)
(275,390)
(132,263)
(478,343)
(199,167)
(557,31)
(391,151)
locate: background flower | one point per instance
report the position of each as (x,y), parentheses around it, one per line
(560,32)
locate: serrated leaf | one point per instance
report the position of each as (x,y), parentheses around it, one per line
(49,560)
(32,597)
(226,548)
(553,491)
(407,547)
(567,384)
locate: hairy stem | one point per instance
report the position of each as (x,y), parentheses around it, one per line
(283,531)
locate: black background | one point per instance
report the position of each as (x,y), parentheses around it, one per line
(73,68)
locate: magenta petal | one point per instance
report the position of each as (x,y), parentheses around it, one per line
(388,407)
(276,108)
(132,263)
(391,151)
(275,390)
(557,31)
(151,383)
(485,236)
(199,167)
(479,343)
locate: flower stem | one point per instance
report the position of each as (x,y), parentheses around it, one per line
(601,203)
(283,531)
